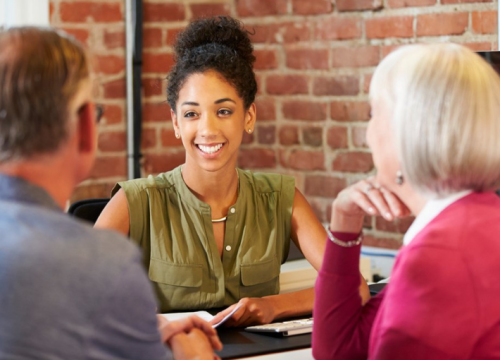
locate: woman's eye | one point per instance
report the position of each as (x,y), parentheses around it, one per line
(225,112)
(190,114)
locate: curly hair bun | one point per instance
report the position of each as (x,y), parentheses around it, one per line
(221,30)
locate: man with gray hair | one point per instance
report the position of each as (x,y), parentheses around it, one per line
(67,291)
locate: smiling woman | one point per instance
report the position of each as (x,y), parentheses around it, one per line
(213,235)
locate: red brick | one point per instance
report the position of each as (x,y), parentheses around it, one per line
(289,135)
(325,186)
(315,7)
(51,12)
(266,134)
(114,39)
(355,57)
(84,11)
(172,36)
(168,138)
(337,28)
(340,85)
(484,22)
(386,50)
(350,111)
(246,8)
(337,137)
(313,136)
(257,158)
(354,161)
(92,191)
(155,112)
(464,1)
(390,27)
(153,87)
(359,137)
(148,138)
(265,59)
(367,79)
(163,12)
(442,24)
(109,166)
(260,33)
(382,242)
(408,3)
(152,37)
(209,10)
(114,89)
(307,58)
(247,138)
(356,5)
(113,114)
(287,84)
(112,141)
(110,64)
(304,110)
(157,63)
(266,109)
(292,32)
(480,46)
(306,160)
(400,225)
(157,163)
(80,34)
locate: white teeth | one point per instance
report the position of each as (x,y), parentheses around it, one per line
(210,149)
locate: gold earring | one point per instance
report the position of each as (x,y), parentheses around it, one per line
(249,131)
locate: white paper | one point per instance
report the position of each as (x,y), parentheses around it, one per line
(177,316)
(226,317)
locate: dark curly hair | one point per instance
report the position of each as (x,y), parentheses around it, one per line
(221,44)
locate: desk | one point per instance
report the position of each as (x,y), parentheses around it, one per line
(239,343)
(302,354)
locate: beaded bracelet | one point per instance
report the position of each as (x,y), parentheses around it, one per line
(350,243)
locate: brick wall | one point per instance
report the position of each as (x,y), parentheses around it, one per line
(314,63)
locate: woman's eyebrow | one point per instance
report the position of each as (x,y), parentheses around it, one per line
(190,103)
(224,100)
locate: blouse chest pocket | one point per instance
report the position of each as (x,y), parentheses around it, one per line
(260,279)
(177,285)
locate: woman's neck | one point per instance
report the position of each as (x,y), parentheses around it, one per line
(219,189)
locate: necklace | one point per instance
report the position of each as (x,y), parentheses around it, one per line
(222,219)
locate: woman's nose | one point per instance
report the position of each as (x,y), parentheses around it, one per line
(208,125)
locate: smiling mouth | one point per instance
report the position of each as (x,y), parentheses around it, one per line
(210,149)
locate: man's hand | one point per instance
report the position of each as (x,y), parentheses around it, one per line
(169,329)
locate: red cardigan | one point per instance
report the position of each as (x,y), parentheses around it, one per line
(443,300)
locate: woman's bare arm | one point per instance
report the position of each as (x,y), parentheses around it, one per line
(115,215)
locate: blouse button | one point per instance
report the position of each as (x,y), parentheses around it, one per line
(228,248)
(233,210)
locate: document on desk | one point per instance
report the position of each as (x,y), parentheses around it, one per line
(177,316)
(202,314)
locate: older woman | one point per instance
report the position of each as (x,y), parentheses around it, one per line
(435,138)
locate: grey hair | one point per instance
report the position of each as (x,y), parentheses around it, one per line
(445,102)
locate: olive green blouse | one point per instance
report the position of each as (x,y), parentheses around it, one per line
(174,229)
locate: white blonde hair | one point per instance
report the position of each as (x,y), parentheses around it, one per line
(445,103)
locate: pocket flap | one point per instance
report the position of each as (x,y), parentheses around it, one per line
(258,273)
(187,275)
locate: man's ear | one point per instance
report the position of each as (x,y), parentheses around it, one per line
(87,130)
(250,118)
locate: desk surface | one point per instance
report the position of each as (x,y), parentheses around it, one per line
(239,343)
(301,354)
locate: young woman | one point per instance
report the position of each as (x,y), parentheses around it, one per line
(434,137)
(214,235)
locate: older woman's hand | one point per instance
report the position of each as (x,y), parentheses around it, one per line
(362,198)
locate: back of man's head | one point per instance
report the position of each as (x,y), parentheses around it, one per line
(40,72)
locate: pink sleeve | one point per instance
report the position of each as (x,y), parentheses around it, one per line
(342,325)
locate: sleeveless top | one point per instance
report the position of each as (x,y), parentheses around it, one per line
(174,230)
